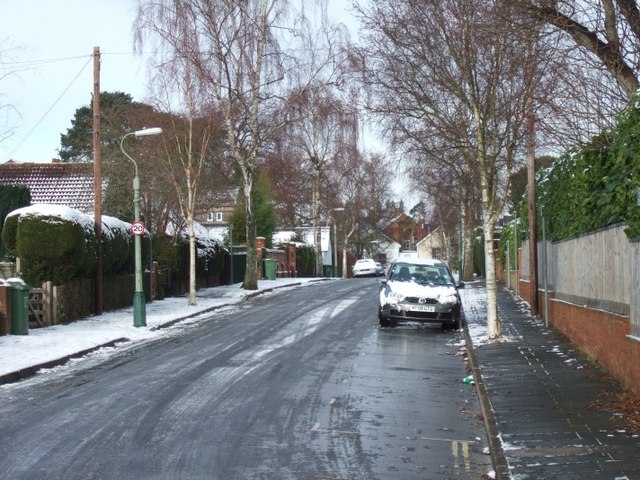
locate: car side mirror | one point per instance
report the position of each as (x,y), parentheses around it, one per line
(460,285)
(383,281)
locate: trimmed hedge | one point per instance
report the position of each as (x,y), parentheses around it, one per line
(117,246)
(10,233)
(50,249)
(594,186)
(51,242)
(58,244)
(11,198)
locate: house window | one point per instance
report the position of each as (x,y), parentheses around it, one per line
(209,216)
(219,217)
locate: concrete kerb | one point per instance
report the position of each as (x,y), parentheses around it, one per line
(27,372)
(500,464)
(217,307)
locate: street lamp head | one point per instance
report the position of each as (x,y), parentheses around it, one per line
(145,132)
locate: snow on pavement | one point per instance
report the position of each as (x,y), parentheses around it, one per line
(48,344)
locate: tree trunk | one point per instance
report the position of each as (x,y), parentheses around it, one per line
(347,236)
(467,268)
(493,322)
(192,262)
(466,249)
(251,273)
(488,228)
(344,259)
(317,234)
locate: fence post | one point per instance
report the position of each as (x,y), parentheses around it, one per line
(46,302)
(55,295)
(291,259)
(634,306)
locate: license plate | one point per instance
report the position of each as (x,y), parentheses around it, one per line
(422,308)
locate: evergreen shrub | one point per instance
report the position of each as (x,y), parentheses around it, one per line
(50,248)
(305,260)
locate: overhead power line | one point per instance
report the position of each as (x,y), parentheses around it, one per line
(64,91)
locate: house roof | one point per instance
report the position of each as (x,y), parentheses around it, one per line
(390,221)
(429,236)
(69,184)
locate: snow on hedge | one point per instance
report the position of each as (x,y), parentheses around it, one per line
(206,243)
(58,211)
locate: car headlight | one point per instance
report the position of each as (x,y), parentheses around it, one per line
(452,299)
(394,297)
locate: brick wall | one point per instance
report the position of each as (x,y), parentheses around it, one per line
(285,256)
(604,336)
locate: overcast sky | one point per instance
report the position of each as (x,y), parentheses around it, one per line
(49,45)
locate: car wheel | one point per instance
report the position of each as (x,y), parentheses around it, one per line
(384,321)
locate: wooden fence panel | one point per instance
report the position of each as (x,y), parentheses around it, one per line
(634,289)
(594,270)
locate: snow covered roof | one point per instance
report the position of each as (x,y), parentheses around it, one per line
(68,184)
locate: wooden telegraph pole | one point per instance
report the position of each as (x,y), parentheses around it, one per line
(97,178)
(533,223)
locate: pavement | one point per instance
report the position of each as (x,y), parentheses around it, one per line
(544,401)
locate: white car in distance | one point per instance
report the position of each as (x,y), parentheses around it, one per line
(364,268)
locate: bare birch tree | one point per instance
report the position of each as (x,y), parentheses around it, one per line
(324,130)
(590,61)
(446,75)
(448,185)
(189,144)
(608,30)
(361,184)
(250,56)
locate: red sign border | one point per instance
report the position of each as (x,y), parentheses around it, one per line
(137,223)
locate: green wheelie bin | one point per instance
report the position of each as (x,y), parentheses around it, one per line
(20,308)
(270,268)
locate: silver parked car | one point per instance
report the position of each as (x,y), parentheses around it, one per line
(419,290)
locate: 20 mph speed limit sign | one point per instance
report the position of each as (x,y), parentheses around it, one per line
(137,228)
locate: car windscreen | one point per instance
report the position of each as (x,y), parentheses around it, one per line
(422,274)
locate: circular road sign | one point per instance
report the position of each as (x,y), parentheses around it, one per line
(137,228)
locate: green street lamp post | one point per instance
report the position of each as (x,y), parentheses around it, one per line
(137,228)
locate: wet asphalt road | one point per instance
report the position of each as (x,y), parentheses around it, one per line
(300,384)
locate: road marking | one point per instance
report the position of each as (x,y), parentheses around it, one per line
(316,428)
(459,448)
(456,448)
